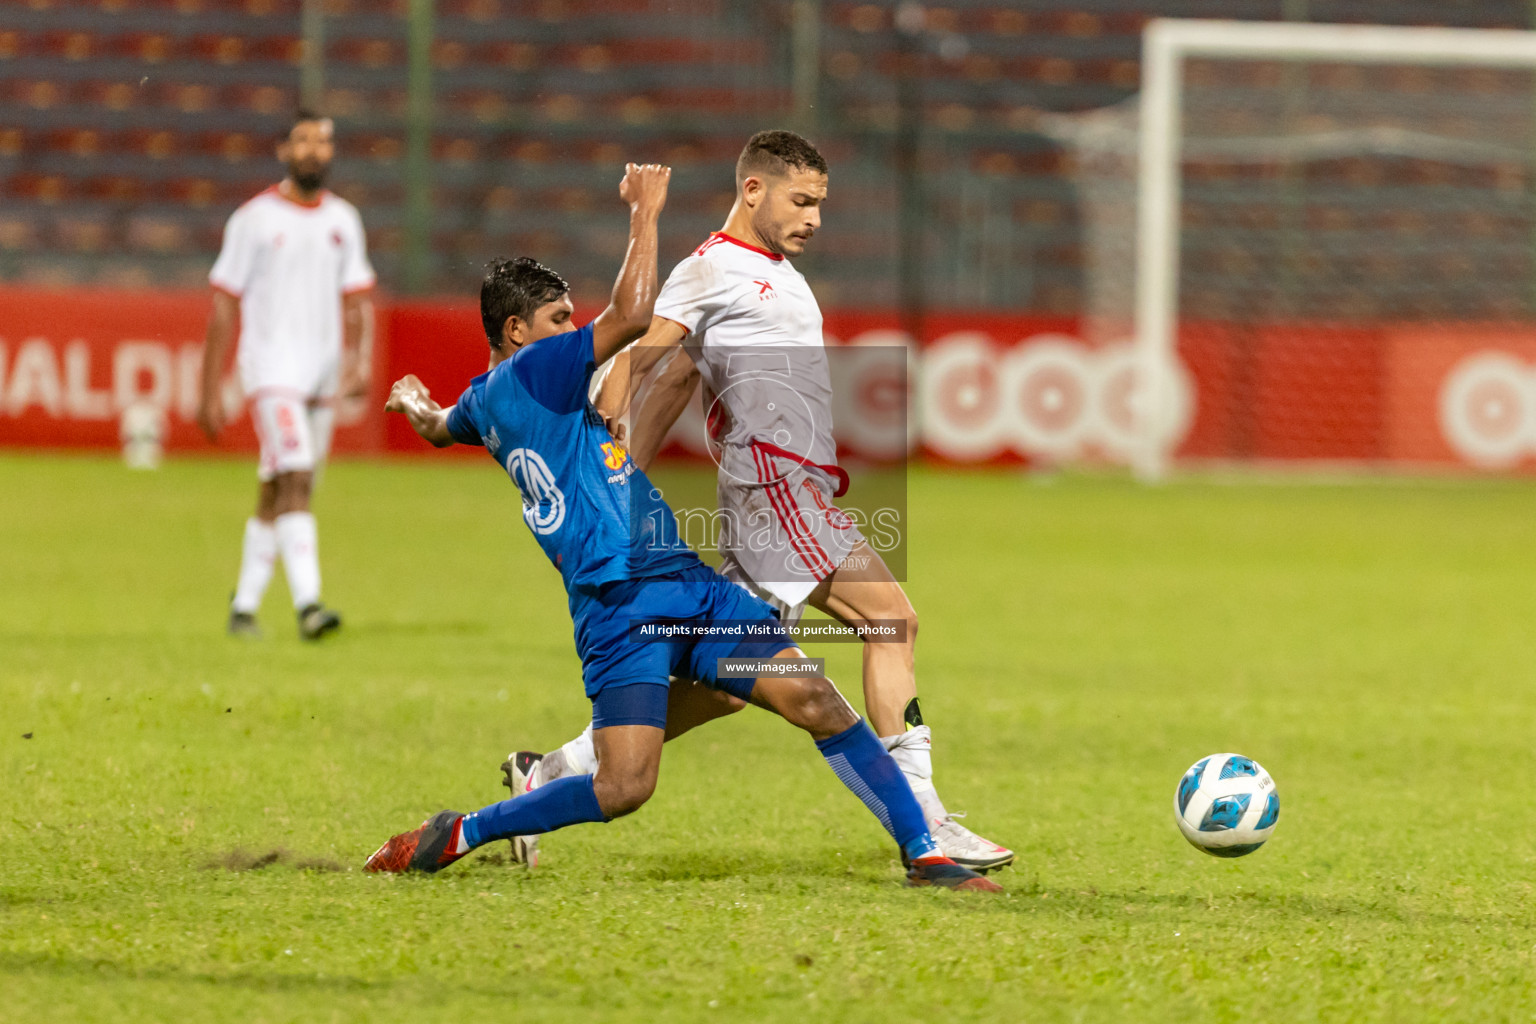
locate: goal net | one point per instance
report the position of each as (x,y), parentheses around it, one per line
(1319,241)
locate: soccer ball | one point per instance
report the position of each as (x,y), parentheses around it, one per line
(1226,805)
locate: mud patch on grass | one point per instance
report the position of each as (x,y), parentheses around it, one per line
(241,859)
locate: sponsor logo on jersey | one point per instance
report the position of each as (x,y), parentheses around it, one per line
(765,291)
(616,457)
(614,454)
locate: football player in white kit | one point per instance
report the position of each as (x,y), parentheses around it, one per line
(752,329)
(294,272)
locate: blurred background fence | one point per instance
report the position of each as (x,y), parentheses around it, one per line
(1358,281)
(476,127)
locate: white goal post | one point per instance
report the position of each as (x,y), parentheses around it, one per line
(1167,44)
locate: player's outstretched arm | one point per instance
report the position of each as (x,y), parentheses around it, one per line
(628,314)
(411,397)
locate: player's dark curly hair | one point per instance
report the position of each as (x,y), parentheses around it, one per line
(515,287)
(775,152)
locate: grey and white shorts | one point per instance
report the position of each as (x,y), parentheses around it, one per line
(783,533)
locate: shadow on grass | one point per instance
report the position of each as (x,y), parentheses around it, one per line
(94,967)
(398,627)
(714,866)
(10,898)
(1028,894)
(1036,899)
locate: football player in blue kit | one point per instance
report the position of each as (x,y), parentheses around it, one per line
(615,542)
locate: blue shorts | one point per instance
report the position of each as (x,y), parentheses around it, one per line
(614,660)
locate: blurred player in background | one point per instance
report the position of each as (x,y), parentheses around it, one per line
(294,272)
(739,309)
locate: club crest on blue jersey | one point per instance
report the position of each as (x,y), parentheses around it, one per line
(543,501)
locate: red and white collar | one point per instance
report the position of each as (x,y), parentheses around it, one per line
(276,190)
(721,236)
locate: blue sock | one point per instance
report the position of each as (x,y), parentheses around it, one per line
(864,765)
(567,801)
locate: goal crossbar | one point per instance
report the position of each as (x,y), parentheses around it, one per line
(1166,43)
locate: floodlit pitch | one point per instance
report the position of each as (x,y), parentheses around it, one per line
(185,815)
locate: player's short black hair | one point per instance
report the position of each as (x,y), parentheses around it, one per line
(775,152)
(516,287)
(301,115)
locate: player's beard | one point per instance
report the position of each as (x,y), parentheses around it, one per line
(309,175)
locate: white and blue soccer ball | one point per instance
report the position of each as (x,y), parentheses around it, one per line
(1226,805)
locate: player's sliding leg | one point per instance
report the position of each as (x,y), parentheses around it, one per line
(854,753)
(862,763)
(689,704)
(629,757)
(629,718)
(857,757)
(526,770)
(863,589)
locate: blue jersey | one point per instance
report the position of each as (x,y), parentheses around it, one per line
(590,508)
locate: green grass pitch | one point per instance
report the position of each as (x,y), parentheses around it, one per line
(1083,641)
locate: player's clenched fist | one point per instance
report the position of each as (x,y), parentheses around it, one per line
(409,395)
(644,187)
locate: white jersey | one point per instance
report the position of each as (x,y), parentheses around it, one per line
(754,331)
(289,263)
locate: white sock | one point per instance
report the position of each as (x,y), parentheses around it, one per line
(913,753)
(299,543)
(258,556)
(577,757)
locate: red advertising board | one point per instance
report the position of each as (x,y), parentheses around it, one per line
(443,344)
(979,389)
(72,361)
(1464,395)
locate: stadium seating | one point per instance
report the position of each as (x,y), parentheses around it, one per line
(134,126)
